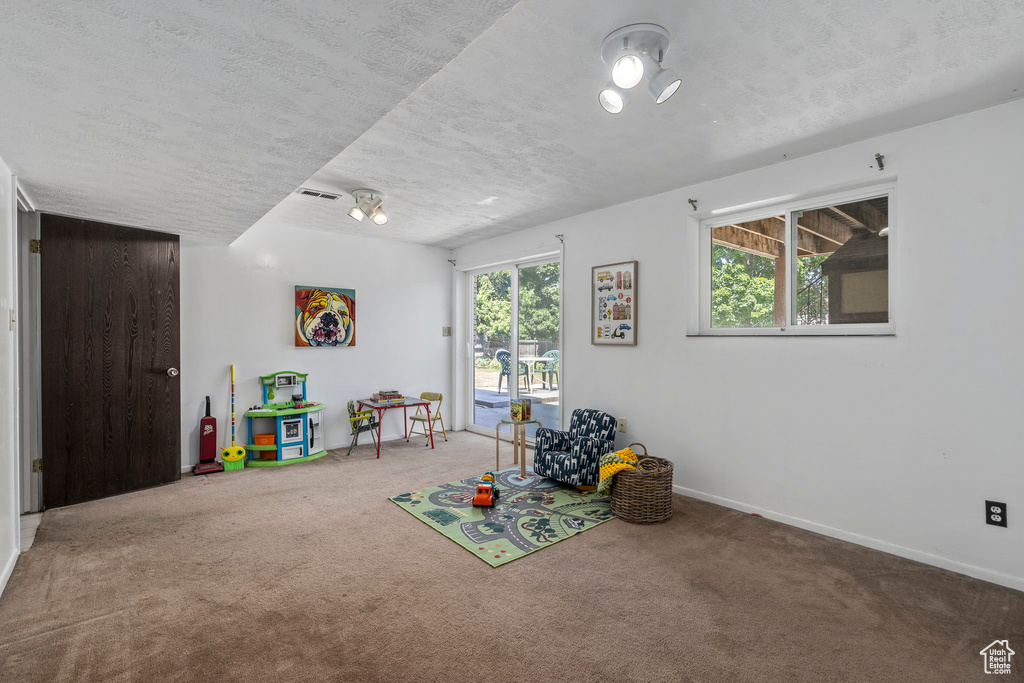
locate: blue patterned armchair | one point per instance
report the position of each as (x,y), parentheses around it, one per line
(573,456)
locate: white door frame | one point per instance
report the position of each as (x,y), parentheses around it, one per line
(470,304)
(29,365)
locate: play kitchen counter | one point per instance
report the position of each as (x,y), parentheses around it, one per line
(285,432)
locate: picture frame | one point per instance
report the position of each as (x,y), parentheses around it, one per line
(324,316)
(613,304)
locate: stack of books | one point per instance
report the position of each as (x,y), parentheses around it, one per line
(388,397)
(521,409)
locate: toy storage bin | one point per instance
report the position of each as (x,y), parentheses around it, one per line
(264,439)
(643,495)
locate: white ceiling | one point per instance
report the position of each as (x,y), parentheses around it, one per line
(472,118)
(198,117)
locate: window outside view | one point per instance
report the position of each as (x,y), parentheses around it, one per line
(841,274)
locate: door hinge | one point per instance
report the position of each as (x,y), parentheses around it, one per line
(35,246)
(37,465)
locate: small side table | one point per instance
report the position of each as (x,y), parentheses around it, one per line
(518,432)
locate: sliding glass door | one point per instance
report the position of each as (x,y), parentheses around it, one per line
(515,320)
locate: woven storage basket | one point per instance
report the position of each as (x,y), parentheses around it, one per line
(644,495)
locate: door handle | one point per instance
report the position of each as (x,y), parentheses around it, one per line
(172,372)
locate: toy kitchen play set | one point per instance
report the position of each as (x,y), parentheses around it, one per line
(288,431)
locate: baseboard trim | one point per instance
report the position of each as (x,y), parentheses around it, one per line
(5,575)
(1015,582)
(187,469)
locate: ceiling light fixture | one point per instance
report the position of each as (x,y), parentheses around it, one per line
(368,203)
(633,52)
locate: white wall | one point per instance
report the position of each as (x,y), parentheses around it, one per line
(892,442)
(237,306)
(9,513)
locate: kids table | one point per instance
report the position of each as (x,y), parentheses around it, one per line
(381,408)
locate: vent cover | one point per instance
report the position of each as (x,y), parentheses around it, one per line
(316,193)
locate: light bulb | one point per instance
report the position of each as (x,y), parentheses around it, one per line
(379,217)
(356,213)
(627,71)
(611,100)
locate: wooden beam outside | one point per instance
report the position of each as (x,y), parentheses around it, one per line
(744,240)
(769,227)
(808,242)
(865,214)
(826,227)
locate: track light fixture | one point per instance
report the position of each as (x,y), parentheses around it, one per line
(633,52)
(368,203)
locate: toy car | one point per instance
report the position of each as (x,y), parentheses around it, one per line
(486,491)
(603,286)
(624,326)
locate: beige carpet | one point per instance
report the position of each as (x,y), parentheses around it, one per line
(310,573)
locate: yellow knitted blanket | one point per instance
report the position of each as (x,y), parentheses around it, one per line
(612,464)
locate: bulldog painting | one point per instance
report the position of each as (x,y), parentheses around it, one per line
(325,316)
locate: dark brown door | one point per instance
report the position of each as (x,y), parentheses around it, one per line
(111,410)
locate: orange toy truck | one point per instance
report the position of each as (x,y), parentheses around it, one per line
(486,491)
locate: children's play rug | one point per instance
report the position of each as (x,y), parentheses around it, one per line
(531,513)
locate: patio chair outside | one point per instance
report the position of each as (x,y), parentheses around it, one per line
(548,369)
(504,357)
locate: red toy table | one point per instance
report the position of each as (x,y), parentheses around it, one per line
(381,408)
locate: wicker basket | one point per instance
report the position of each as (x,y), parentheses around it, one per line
(644,495)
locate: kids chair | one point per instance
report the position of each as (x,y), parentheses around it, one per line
(420,418)
(574,456)
(364,421)
(505,358)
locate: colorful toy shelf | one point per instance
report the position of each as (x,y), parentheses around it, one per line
(295,427)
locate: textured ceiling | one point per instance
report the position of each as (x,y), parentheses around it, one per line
(472,118)
(196,117)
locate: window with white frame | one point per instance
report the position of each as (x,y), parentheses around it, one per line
(814,266)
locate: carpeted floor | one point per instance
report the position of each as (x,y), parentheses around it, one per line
(310,573)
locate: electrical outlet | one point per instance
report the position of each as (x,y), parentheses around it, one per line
(995,513)
(622,425)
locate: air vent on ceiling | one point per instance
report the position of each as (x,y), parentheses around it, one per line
(316,193)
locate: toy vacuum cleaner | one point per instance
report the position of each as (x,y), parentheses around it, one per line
(207,445)
(233,455)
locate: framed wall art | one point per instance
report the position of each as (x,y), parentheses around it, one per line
(325,316)
(613,301)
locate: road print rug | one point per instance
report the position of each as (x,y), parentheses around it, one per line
(531,513)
